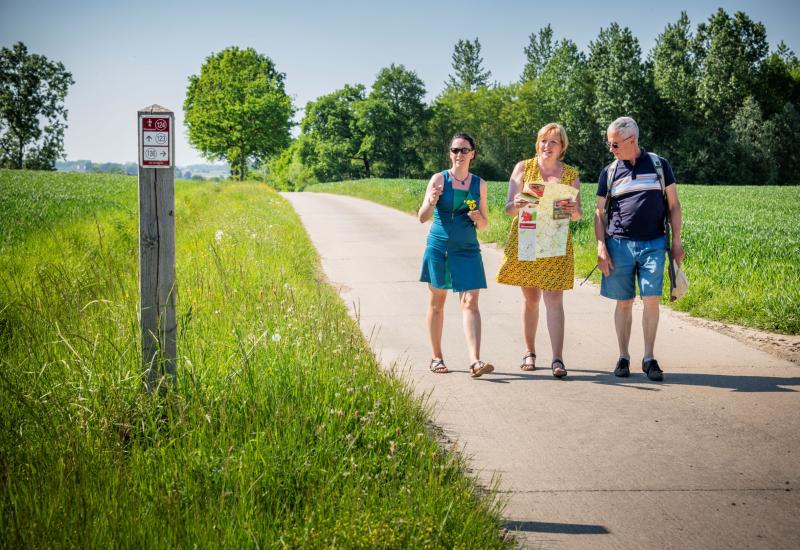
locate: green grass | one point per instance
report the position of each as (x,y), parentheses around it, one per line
(742,244)
(282,430)
(31,202)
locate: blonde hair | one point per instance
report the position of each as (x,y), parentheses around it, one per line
(562,134)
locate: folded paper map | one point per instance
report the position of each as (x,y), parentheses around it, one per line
(543,226)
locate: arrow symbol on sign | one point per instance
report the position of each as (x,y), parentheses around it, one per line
(149,138)
(163,154)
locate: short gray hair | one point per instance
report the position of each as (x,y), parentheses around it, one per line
(625,125)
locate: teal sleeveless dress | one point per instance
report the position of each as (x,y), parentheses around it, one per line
(452,257)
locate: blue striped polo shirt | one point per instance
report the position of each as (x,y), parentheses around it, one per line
(637,205)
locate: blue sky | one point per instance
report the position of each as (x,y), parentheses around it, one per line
(126,55)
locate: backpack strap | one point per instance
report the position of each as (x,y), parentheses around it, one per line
(611,170)
(671,267)
(660,171)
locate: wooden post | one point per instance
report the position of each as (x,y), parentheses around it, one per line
(157,244)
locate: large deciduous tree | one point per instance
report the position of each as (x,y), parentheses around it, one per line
(468,67)
(237,109)
(393,118)
(729,51)
(479,113)
(538,53)
(779,75)
(569,97)
(32,112)
(678,128)
(622,83)
(334,138)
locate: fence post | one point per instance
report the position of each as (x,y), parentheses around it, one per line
(157,244)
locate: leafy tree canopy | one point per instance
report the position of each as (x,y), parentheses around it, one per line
(538,53)
(703,97)
(334,136)
(468,67)
(393,118)
(729,50)
(32,113)
(622,82)
(237,109)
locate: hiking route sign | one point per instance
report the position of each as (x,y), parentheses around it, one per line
(156,140)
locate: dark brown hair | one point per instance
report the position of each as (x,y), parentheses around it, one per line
(465,136)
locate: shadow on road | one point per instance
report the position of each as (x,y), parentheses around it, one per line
(637,380)
(567,528)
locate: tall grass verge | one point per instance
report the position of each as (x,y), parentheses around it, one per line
(742,244)
(282,430)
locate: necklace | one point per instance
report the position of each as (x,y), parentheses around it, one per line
(452,175)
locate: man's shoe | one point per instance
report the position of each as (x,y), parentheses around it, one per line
(623,368)
(652,370)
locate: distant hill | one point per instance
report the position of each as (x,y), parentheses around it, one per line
(196,171)
(205,171)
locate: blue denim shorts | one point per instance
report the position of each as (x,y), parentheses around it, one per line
(634,260)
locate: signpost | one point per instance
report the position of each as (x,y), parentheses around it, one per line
(157,244)
(155,135)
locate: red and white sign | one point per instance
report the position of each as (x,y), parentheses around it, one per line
(155,141)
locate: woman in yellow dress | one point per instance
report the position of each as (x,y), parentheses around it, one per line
(548,277)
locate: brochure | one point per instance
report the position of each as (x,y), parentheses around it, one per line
(543,225)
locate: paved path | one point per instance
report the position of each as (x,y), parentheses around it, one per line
(710,458)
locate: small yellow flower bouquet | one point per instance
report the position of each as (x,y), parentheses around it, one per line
(472,204)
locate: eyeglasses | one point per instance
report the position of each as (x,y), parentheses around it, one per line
(614,145)
(462,150)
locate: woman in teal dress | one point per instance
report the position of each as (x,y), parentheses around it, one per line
(457,201)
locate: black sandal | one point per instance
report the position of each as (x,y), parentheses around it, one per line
(528,367)
(437,366)
(479,368)
(559,372)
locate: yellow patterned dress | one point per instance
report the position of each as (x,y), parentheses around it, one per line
(555,273)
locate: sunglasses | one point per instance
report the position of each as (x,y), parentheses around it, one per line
(614,145)
(462,150)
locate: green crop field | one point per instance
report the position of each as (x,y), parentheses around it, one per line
(281,432)
(742,244)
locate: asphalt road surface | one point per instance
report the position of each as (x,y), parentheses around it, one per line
(708,458)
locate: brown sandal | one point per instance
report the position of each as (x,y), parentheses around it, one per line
(437,366)
(558,372)
(479,368)
(528,367)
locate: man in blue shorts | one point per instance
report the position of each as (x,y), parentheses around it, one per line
(631,237)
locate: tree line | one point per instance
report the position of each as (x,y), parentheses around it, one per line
(713,99)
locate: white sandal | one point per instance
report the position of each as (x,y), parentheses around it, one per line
(437,366)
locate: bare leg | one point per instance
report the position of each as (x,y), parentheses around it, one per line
(623,317)
(471,318)
(554,302)
(436,320)
(650,323)
(530,317)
